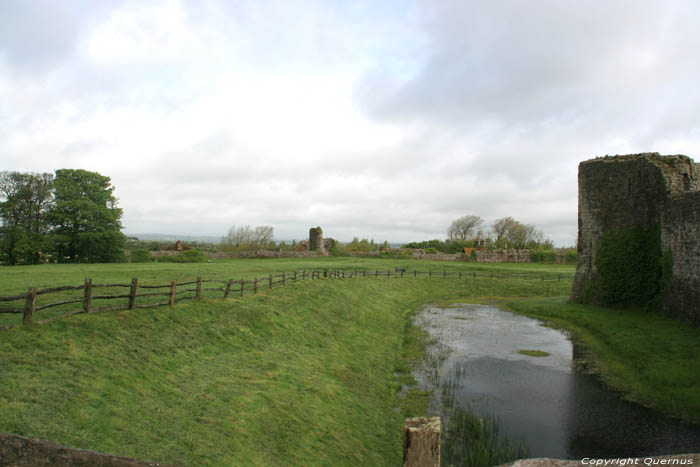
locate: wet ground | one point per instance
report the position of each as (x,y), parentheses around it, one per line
(540,400)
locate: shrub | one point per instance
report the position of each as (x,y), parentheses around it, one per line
(189,256)
(630,265)
(431,250)
(141,255)
(571,256)
(543,256)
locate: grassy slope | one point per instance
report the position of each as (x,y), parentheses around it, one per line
(652,359)
(298,376)
(16,279)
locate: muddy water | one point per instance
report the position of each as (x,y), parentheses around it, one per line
(541,401)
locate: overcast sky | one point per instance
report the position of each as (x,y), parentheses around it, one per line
(377,119)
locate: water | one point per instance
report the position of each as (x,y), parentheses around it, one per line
(540,401)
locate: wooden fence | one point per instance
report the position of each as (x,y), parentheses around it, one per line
(195,289)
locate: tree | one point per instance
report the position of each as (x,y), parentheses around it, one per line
(518,235)
(464,227)
(245,238)
(27,198)
(501,227)
(86,219)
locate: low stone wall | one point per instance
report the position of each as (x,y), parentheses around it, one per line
(18,451)
(156,254)
(440,256)
(276,254)
(362,254)
(502,256)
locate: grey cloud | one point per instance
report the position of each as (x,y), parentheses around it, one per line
(37,35)
(532,61)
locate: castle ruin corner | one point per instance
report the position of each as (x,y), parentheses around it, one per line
(639,233)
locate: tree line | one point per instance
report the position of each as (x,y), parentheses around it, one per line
(471,231)
(70,216)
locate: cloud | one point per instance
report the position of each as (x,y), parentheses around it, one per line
(382,120)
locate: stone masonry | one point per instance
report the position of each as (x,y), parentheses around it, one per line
(642,190)
(316,240)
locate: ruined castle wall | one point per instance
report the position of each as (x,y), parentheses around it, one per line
(642,190)
(614,193)
(681,234)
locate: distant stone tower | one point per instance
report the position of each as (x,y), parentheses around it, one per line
(316,240)
(652,193)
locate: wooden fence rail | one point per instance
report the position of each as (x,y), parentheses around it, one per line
(228,287)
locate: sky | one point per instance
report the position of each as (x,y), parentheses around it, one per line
(377,119)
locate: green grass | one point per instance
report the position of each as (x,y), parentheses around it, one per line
(16,279)
(305,375)
(533,353)
(650,358)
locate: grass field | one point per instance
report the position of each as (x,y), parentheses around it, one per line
(16,280)
(303,375)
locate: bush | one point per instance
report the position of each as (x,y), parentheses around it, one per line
(630,265)
(543,256)
(141,255)
(571,256)
(390,254)
(337,249)
(189,256)
(431,251)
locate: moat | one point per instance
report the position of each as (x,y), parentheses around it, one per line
(539,400)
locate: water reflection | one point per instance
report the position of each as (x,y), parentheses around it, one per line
(539,400)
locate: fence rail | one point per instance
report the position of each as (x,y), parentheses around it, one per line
(230,287)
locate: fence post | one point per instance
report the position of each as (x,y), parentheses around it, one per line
(364,273)
(421,442)
(295,276)
(270,280)
(88,295)
(228,288)
(29,305)
(444,273)
(542,277)
(255,286)
(171,298)
(283,279)
(460,274)
(132,293)
(430,273)
(242,286)
(198,293)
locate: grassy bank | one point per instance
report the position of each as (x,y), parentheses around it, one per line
(651,359)
(15,280)
(305,375)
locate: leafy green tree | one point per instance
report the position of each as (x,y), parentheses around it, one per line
(23,212)
(464,228)
(86,219)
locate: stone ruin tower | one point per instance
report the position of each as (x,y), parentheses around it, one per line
(316,240)
(646,191)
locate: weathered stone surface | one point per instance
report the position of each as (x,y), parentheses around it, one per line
(18,451)
(642,190)
(421,442)
(316,239)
